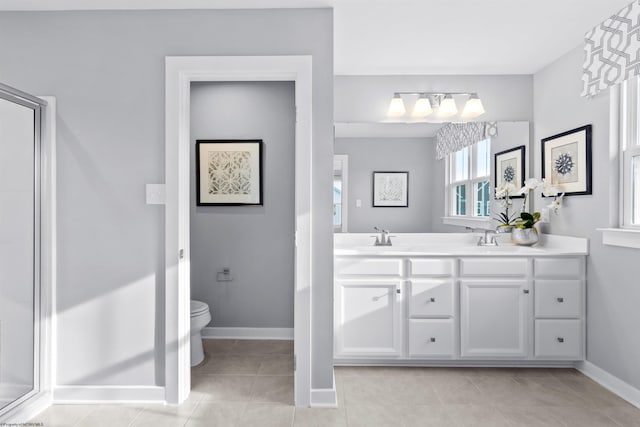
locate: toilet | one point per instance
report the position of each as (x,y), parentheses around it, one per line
(200,317)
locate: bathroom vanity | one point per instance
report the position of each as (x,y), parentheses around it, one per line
(441,299)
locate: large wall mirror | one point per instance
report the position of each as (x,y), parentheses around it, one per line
(364,148)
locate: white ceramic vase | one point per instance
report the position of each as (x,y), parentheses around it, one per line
(524,236)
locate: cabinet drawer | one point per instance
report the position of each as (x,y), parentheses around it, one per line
(558,298)
(558,267)
(431,337)
(370,267)
(558,339)
(431,298)
(493,266)
(431,267)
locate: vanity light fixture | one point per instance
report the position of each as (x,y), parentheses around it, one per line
(448,106)
(396,108)
(473,107)
(442,102)
(422,107)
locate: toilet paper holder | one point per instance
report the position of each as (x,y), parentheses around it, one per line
(224,275)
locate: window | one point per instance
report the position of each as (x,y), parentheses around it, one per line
(468,181)
(630,154)
(340,186)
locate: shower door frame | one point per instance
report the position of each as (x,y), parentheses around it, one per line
(40,397)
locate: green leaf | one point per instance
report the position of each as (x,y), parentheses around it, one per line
(526,216)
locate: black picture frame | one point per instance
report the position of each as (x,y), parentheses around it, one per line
(567,161)
(384,195)
(515,156)
(250,159)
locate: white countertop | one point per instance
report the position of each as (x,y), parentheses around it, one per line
(455,244)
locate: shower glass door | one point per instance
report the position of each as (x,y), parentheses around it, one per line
(19,248)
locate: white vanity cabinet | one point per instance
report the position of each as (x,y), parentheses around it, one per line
(368,298)
(487,308)
(559,308)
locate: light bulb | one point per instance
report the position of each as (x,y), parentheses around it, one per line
(396,107)
(447,106)
(422,108)
(473,107)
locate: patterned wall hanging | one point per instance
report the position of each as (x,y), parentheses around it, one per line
(612,51)
(566,161)
(228,172)
(455,136)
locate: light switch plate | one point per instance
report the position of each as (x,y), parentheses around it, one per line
(155,194)
(358,203)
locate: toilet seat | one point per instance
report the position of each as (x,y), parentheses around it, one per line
(198,308)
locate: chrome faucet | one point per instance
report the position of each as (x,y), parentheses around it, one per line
(383,239)
(484,240)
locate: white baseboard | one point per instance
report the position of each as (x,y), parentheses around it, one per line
(27,410)
(98,394)
(610,382)
(324,397)
(248,333)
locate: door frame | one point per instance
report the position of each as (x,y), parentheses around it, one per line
(180,71)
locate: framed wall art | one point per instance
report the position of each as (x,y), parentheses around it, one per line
(509,167)
(391,189)
(228,172)
(566,161)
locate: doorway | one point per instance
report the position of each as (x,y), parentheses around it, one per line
(180,73)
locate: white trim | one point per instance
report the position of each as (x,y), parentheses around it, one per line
(28,409)
(159,4)
(179,73)
(324,398)
(101,393)
(610,382)
(623,237)
(466,363)
(462,221)
(247,333)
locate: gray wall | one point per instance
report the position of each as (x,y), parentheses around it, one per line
(415,155)
(106,69)
(612,272)
(255,242)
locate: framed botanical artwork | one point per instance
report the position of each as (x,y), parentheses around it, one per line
(391,189)
(509,167)
(566,161)
(228,172)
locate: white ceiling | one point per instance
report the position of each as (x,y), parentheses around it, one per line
(382,37)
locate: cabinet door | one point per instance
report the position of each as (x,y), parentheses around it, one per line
(494,318)
(368,318)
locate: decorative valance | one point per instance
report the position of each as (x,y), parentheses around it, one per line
(612,51)
(455,136)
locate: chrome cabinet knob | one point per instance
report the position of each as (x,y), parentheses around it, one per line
(432,299)
(526,291)
(560,299)
(560,339)
(432,339)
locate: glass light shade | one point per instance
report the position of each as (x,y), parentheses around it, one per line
(396,107)
(448,107)
(422,108)
(473,107)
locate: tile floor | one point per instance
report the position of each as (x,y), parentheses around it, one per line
(250,383)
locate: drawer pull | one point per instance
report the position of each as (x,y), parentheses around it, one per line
(398,291)
(560,339)
(432,339)
(432,299)
(526,291)
(560,299)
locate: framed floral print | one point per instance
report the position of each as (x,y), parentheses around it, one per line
(566,161)
(391,189)
(509,168)
(228,172)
